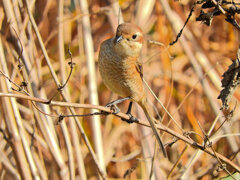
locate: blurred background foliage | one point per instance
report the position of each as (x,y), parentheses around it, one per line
(186,77)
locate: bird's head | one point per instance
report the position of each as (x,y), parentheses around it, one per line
(128,40)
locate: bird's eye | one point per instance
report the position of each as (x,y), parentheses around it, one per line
(134,36)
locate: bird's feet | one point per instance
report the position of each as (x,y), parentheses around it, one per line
(131,119)
(113,107)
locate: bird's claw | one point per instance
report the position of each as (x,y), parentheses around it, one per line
(113,108)
(131,119)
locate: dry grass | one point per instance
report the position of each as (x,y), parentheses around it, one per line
(186,77)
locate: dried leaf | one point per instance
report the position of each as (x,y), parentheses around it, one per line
(229,83)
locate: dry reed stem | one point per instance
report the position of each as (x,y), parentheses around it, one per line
(92,84)
(55,149)
(7,163)
(64,170)
(66,92)
(69,151)
(14,126)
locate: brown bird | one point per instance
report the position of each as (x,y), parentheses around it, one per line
(122,73)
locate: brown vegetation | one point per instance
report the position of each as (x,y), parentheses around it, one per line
(50,89)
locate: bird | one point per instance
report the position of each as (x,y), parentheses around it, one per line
(121,71)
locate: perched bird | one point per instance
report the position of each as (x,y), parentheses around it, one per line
(121,71)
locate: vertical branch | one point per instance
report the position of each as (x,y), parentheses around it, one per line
(63,78)
(78,149)
(88,46)
(61,51)
(69,150)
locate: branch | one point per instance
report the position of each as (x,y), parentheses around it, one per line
(160,126)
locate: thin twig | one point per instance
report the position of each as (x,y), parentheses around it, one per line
(177,162)
(125,116)
(180,32)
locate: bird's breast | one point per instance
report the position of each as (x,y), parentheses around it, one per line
(120,73)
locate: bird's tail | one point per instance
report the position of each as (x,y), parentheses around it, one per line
(146,108)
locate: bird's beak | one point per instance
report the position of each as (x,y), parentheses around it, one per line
(118,39)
